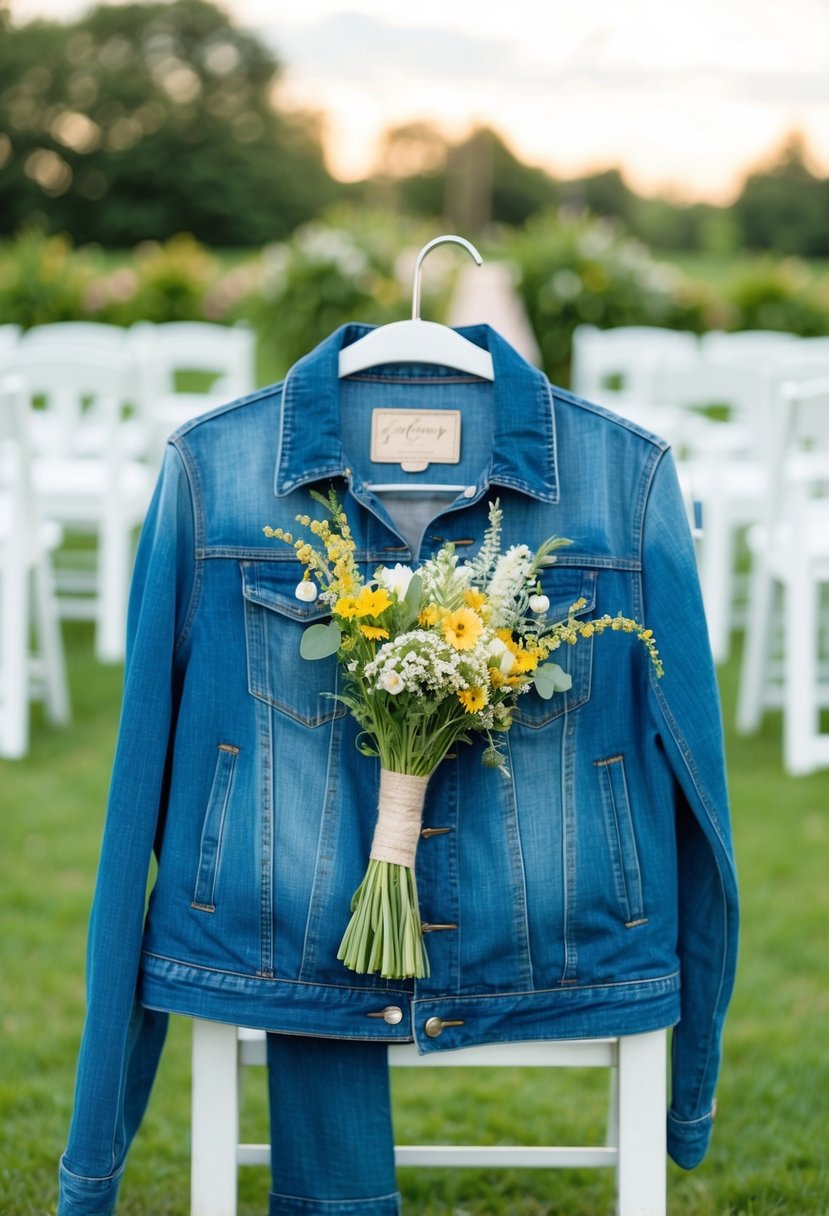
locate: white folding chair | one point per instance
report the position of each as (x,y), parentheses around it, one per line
(164,353)
(723,461)
(636,1134)
(86,486)
(786,653)
(725,457)
(89,339)
(27,602)
(619,368)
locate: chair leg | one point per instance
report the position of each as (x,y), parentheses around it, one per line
(214,1119)
(50,644)
(717,550)
(756,649)
(112,578)
(641,1176)
(14,662)
(800,710)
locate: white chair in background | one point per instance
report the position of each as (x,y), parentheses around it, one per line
(723,460)
(27,602)
(77,333)
(786,651)
(744,345)
(164,353)
(725,454)
(9,335)
(53,341)
(636,1134)
(87,488)
(619,368)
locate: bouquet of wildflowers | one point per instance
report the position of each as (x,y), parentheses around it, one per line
(430,658)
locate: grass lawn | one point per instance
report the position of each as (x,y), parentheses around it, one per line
(769,1154)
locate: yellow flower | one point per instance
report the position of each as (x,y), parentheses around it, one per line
(473,699)
(462,628)
(345,607)
(429,616)
(473,598)
(525,660)
(372,601)
(373,632)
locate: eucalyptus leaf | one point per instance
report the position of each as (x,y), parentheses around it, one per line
(550,678)
(411,600)
(319,641)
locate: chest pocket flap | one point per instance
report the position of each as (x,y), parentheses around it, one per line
(274,623)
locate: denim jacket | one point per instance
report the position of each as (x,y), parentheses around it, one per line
(592,893)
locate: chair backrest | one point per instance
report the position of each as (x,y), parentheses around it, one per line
(611,366)
(620,369)
(799,454)
(72,389)
(163,352)
(58,335)
(744,346)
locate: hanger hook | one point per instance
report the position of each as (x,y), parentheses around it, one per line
(418,270)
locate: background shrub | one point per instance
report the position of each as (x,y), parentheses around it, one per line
(576,269)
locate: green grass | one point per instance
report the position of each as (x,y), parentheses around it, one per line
(769,1153)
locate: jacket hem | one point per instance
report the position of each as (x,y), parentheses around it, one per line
(353,1012)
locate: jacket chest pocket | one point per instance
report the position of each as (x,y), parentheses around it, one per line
(274,623)
(563,586)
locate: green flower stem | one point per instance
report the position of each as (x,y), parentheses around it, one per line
(384,934)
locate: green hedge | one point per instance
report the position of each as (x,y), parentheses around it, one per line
(572,268)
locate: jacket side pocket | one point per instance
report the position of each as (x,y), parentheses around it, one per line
(621,840)
(212,828)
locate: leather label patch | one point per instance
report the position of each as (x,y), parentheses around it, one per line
(414,439)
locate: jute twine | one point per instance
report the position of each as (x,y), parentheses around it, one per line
(399,814)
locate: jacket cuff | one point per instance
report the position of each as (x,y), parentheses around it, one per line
(688,1139)
(81,1196)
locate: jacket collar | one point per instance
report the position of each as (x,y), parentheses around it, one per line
(309,447)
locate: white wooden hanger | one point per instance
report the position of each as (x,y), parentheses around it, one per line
(419,341)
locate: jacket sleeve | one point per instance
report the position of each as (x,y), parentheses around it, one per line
(122,1041)
(686,708)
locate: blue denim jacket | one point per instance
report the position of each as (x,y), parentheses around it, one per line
(593,893)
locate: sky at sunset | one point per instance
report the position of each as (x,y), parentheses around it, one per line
(684,95)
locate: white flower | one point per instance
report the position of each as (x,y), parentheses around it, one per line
(508,582)
(539,604)
(395,579)
(306,591)
(390,681)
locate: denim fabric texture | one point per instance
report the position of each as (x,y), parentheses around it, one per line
(593,893)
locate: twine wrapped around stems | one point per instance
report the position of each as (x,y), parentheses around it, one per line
(399,815)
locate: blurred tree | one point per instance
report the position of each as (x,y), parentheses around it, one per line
(141,120)
(785,206)
(471,183)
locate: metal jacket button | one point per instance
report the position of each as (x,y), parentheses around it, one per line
(435,1026)
(392,1015)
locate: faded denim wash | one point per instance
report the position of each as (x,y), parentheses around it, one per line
(592,894)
